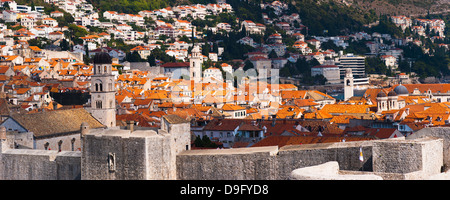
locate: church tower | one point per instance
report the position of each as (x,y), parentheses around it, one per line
(348,84)
(103,101)
(195,65)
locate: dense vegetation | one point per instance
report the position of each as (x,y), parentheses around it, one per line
(337,19)
(131,6)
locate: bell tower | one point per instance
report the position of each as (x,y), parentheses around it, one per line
(103,101)
(195,64)
(348,84)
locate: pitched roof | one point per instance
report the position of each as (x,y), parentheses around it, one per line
(176,64)
(174,119)
(55,123)
(232,107)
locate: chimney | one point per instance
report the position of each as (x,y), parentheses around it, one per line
(130,126)
(2,133)
(84,129)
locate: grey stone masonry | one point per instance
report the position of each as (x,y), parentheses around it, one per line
(406,156)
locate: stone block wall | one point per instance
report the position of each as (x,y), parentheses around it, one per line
(268,163)
(437,132)
(346,154)
(23,164)
(159,158)
(408,156)
(113,157)
(125,155)
(228,164)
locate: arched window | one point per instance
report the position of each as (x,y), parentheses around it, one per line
(101,87)
(98,104)
(105,70)
(59,145)
(72,142)
(46,145)
(96,87)
(348,82)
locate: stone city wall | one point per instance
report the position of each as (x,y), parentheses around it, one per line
(268,163)
(146,155)
(438,132)
(407,156)
(24,164)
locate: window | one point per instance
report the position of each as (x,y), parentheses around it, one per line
(101,87)
(72,142)
(98,104)
(59,145)
(96,87)
(46,145)
(112,162)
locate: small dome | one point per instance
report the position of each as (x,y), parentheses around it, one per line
(400,89)
(381,94)
(102,58)
(392,93)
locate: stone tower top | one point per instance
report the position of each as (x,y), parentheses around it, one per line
(102,58)
(196,53)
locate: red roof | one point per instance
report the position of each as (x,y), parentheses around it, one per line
(176,64)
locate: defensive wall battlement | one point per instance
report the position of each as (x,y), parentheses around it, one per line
(108,156)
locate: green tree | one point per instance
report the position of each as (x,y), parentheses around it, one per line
(133,57)
(273,54)
(198,142)
(248,65)
(374,65)
(151,60)
(64,45)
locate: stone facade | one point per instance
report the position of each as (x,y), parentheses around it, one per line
(268,163)
(103,91)
(406,156)
(39,165)
(134,155)
(438,132)
(115,154)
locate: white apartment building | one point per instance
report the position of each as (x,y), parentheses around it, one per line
(330,72)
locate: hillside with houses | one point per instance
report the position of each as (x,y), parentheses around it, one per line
(241,79)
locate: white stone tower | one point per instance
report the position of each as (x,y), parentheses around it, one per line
(382,102)
(348,84)
(103,101)
(195,64)
(393,100)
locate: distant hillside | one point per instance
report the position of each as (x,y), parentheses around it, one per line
(134,6)
(400,7)
(333,17)
(130,6)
